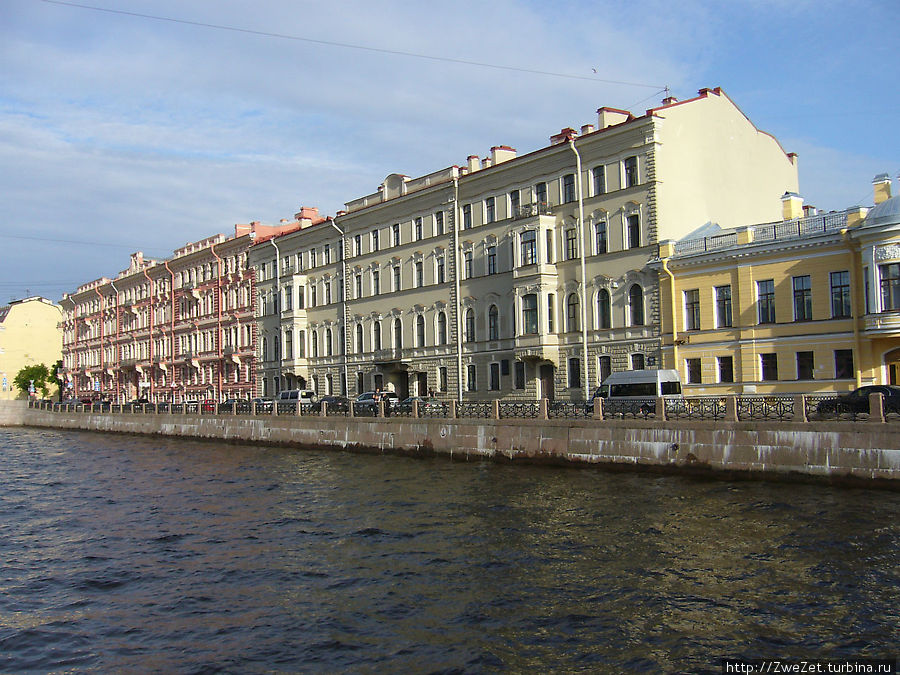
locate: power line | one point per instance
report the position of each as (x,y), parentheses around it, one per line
(51,240)
(347,45)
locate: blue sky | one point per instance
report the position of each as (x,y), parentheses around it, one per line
(120,133)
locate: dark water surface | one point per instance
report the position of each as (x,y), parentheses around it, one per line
(131,554)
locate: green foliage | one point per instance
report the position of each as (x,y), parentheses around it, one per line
(39,373)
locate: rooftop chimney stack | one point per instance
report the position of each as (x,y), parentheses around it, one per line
(474,163)
(502,153)
(882,185)
(607,117)
(587,129)
(791,206)
(564,136)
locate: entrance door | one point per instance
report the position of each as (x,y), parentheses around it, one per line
(546,380)
(422,384)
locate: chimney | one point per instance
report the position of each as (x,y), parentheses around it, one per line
(306,215)
(563,136)
(587,129)
(607,117)
(502,153)
(791,206)
(669,100)
(882,185)
(474,163)
(809,210)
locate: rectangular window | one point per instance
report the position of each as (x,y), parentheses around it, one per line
(692,309)
(802,298)
(357,283)
(443,380)
(440,270)
(726,369)
(574,373)
(492,260)
(571,244)
(631,172)
(840,295)
(768,366)
(490,214)
(467,265)
(327,254)
(529,246)
(439,223)
(495,377)
(568,183)
(890,286)
(519,375)
(376,282)
(600,230)
(514,203)
(471,382)
(529,314)
(312,258)
(357,244)
(805,365)
(540,195)
(313,301)
(598,180)
(420,275)
(396,273)
(723,307)
(395,234)
(637,362)
(467,216)
(375,241)
(693,371)
(418,227)
(634,231)
(843,364)
(765,301)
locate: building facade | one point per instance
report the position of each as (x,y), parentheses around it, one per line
(512,276)
(177,329)
(810,303)
(29,336)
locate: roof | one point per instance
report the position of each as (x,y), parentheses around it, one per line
(885,213)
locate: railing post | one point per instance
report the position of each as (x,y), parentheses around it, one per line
(275,407)
(380,411)
(876,408)
(253,408)
(800,408)
(598,408)
(216,408)
(454,410)
(731,408)
(351,404)
(660,408)
(495,409)
(545,409)
(324,407)
(415,409)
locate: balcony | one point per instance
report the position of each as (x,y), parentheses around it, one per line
(537,348)
(529,210)
(885,324)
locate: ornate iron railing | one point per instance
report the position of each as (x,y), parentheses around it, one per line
(569,409)
(519,409)
(705,408)
(779,408)
(475,410)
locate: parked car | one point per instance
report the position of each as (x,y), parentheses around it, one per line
(263,405)
(301,395)
(229,404)
(857,401)
(637,390)
(426,404)
(336,403)
(366,403)
(208,405)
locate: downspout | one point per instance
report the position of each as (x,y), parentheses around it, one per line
(219,365)
(456,288)
(665,266)
(584,338)
(277,308)
(171,330)
(150,341)
(112,284)
(344,282)
(854,305)
(102,368)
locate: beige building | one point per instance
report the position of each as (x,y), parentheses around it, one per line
(810,303)
(511,276)
(29,336)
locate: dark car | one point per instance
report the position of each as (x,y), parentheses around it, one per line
(366,403)
(426,404)
(229,404)
(263,405)
(336,403)
(857,401)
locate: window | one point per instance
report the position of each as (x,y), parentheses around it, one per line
(467,265)
(395,234)
(692,309)
(540,194)
(376,282)
(328,292)
(723,306)
(571,244)
(598,180)
(395,270)
(605,367)
(514,203)
(288,298)
(357,244)
(843,364)
(768,366)
(443,379)
(802,298)
(765,301)
(492,260)
(574,373)
(840,295)
(376,336)
(467,216)
(315,343)
(375,241)
(726,368)
(329,342)
(804,365)
(420,331)
(631,172)
(442,328)
(636,305)
(693,371)
(495,377)
(603,309)
(439,223)
(568,183)
(312,258)
(529,314)
(519,377)
(493,323)
(637,361)
(470,325)
(357,282)
(551,310)
(634,231)
(398,334)
(327,254)
(890,286)
(529,247)
(420,274)
(572,312)
(360,382)
(441,278)
(601,245)
(417,224)
(313,300)
(471,383)
(360,347)
(490,214)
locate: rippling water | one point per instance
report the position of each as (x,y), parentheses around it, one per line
(132,554)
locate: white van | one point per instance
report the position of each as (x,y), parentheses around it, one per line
(640,384)
(301,395)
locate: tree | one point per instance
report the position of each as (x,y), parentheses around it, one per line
(38,373)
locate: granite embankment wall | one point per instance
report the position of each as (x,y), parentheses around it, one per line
(838,452)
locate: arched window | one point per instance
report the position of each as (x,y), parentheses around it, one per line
(376,336)
(359,339)
(493,323)
(636,304)
(420,331)
(603,309)
(572,312)
(470,326)
(398,333)
(265,349)
(442,328)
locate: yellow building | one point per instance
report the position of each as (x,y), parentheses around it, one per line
(807,304)
(29,335)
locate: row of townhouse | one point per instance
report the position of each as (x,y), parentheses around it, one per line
(181,328)
(519,276)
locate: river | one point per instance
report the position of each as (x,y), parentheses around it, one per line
(139,554)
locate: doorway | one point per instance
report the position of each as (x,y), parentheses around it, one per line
(546,381)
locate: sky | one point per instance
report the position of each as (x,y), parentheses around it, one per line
(121,133)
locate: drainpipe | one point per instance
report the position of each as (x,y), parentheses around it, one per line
(112,284)
(171,330)
(150,341)
(854,305)
(277,308)
(665,266)
(102,366)
(456,288)
(584,338)
(344,282)
(219,365)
